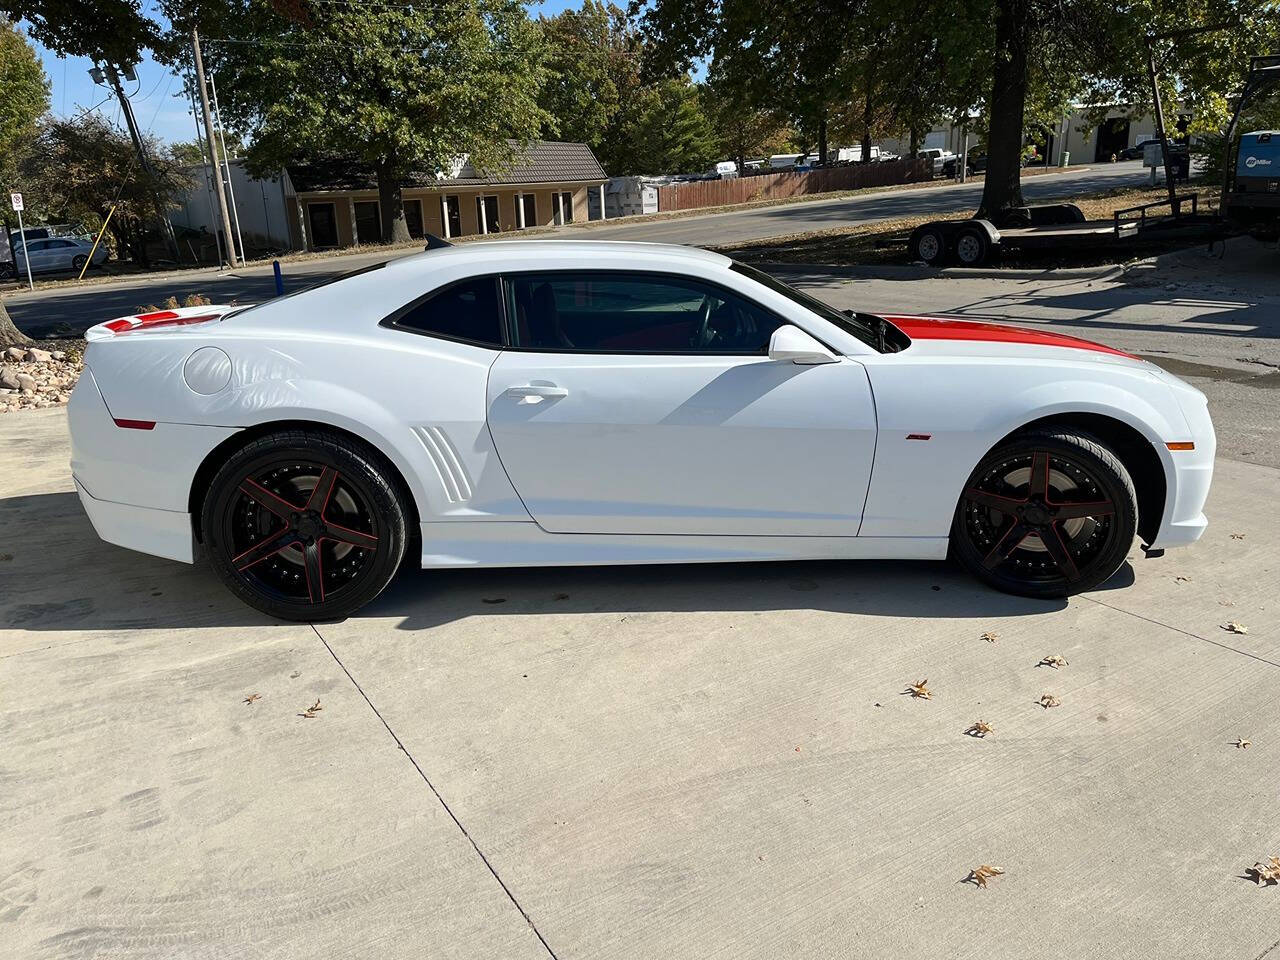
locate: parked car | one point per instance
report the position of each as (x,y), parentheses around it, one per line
(51,254)
(1135,152)
(649,403)
(938,156)
(723,170)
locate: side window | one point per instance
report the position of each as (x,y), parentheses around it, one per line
(468,310)
(604,312)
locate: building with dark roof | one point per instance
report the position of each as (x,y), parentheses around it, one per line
(335,204)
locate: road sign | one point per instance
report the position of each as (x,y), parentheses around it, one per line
(16,200)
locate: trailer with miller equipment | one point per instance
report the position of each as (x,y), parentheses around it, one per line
(1251,188)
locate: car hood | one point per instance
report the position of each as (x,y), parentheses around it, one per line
(938,335)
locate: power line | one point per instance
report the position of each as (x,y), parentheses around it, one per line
(334,44)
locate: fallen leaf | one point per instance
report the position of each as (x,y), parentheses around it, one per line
(1181,579)
(1053,660)
(252,697)
(1265,874)
(1048,700)
(1233,627)
(990,637)
(919,690)
(1241,744)
(982,874)
(1237,536)
(312,710)
(979,729)
(797,749)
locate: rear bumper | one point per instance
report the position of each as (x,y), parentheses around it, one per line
(161,533)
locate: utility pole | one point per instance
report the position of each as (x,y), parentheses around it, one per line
(213,150)
(226,162)
(208,185)
(113,76)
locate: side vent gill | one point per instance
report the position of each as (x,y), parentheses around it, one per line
(453,475)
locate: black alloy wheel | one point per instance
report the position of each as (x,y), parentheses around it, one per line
(304,525)
(1048,514)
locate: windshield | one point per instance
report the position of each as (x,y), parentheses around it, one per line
(854,325)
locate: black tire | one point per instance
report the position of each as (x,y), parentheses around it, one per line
(304,524)
(8,271)
(1049,513)
(930,245)
(973,247)
(78,262)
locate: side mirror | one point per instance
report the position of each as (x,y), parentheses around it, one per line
(792,344)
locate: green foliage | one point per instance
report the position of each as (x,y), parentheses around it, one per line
(396,88)
(77,168)
(668,132)
(112,30)
(24,95)
(591,60)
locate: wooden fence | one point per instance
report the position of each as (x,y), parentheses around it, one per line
(772,186)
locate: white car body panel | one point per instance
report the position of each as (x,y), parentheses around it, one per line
(645,458)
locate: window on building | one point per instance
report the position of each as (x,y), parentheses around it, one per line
(467,310)
(453,217)
(616,312)
(529,207)
(487,214)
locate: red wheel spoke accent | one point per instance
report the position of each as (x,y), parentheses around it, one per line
(315,571)
(1073,511)
(322,491)
(1053,542)
(993,500)
(1039,483)
(273,502)
(267,547)
(340,534)
(1016,533)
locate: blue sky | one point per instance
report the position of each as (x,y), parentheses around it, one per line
(157,97)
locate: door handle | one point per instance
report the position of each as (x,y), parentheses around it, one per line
(536,391)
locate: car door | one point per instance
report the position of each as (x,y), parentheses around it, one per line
(37,252)
(640,403)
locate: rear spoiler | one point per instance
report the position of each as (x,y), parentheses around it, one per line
(180,317)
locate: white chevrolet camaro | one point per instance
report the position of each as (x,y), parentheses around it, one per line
(547,402)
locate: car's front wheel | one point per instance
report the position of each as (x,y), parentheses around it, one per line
(1047,514)
(78,262)
(304,525)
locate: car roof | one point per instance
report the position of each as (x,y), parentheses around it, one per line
(526,254)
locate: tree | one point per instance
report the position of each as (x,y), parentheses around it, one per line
(591,56)
(669,132)
(24,97)
(81,167)
(113,31)
(743,131)
(397,88)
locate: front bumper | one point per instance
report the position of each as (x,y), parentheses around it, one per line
(1189,473)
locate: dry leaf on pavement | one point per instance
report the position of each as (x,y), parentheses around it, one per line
(1181,579)
(982,874)
(1237,536)
(979,729)
(252,697)
(1048,700)
(919,690)
(1054,661)
(312,710)
(1265,874)
(1234,627)
(1241,744)
(990,637)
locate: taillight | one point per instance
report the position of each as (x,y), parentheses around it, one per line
(135,424)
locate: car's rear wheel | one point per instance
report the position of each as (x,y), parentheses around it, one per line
(304,525)
(1047,514)
(78,262)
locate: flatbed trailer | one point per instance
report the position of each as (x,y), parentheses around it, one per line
(1060,226)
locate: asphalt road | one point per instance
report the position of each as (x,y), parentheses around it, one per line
(82,307)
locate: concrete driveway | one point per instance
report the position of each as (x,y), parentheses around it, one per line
(708,761)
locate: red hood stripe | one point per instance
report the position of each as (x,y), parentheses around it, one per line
(936,328)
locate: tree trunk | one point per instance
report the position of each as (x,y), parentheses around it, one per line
(395,228)
(1002,188)
(915,142)
(822,139)
(10,336)
(867,113)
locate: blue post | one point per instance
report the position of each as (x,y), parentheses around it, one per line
(275,266)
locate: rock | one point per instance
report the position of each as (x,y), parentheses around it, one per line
(59,355)
(15,353)
(39,356)
(8,378)
(26,383)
